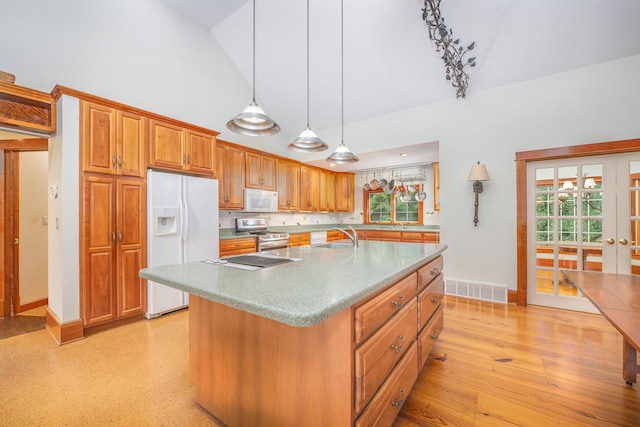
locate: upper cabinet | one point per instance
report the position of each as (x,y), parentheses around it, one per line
(436,186)
(344,192)
(309,188)
(181,149)
(113,141)
(230,164)
(288,186)
(327,191)
(260,171)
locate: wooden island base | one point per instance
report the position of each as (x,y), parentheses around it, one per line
(251,371)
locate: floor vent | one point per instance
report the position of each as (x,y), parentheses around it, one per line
(475,290)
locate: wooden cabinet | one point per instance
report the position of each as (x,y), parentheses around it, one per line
(242,245)
(400,236)
(394,332)
(113,141)
(334,235)
(344,192)
(113,248)
(386,236)
(260,171)
(309,189)
(327,192)
(288,186)
(177,148)
(299,239)
(230,164)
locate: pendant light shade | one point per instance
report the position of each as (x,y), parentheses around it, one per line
(253,121)
(308,141)
(342,155)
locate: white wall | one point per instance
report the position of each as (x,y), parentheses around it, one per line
(33,229)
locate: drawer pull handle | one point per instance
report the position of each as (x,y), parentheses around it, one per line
(398,305)
(401,402)
(113,161)
(435,335)
(434,271)
(435,299)
(398,348)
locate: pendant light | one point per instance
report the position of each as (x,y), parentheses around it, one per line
(253,121)
(342,155)
(308,141)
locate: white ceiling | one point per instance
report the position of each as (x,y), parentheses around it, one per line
(389,62)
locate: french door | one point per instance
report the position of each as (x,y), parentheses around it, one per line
(583,214)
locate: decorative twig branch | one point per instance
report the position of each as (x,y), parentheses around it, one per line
(453,52)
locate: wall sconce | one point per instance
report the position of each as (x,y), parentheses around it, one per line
(477,174)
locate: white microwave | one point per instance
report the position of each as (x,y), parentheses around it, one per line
(260,200)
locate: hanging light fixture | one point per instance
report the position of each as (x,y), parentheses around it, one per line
(342,155)
(253,121)
(308,141)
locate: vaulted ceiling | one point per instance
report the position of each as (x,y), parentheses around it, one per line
(389,62)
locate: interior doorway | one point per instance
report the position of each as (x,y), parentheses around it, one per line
(23,221)
(523,159)
(583,215)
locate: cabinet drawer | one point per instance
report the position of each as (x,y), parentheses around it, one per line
(377,356)
(429,300)
(386,404)
(429,272)
(428,337)
(334,235)
(373,313)
(235,245)
(299,239)
(411,236)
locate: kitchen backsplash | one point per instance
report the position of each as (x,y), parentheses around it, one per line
(228,218)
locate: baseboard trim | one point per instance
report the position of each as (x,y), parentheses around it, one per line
(34,304)
(66,332)
(512,297)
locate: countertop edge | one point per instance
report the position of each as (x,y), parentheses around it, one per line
(298,319)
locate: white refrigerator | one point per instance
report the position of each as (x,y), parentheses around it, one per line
(182,223)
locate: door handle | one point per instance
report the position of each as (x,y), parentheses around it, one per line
(611,241)
(623,241)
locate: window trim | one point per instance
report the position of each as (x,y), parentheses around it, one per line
(365,196)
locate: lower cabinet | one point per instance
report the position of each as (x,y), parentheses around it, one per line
(394,334)
(299,239)
(243,245)
(113,248)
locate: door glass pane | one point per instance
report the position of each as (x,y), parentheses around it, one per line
(544,180)
(592,259)
(635,261)
(567,231)
(567,257)
(592,230)
(544,281)
(634,174)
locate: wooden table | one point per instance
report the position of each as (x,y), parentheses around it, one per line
(617,296)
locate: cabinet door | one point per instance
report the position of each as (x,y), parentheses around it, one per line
(200,149)
(288,186)
(344,192)
(269,173)
(131,144)
(98,143)
(166,148)
(252,170)
(98,246)
(223,181)
(310,188)
(230,166)
(131,254)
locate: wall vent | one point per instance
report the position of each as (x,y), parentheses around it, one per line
(476,290)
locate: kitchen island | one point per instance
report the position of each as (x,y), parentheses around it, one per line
(323,340)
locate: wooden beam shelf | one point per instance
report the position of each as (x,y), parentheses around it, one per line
(27,109)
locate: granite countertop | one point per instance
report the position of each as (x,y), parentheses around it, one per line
(303,293)
(229,233)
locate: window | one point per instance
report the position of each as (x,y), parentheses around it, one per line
(383,208)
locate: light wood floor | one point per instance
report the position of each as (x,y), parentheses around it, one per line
(494,365)
(504,365)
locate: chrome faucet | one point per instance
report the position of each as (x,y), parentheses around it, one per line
(353,237)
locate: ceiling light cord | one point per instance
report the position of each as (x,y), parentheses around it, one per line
(254,53)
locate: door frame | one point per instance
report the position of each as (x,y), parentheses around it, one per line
(522,158)
(9,286)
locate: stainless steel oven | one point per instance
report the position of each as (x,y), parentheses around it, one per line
(266,240)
